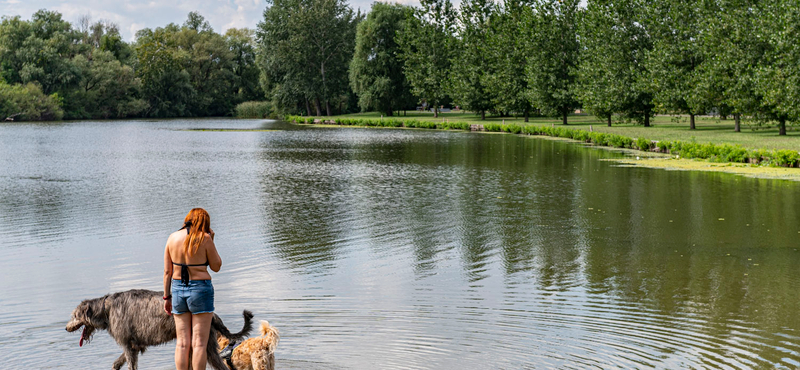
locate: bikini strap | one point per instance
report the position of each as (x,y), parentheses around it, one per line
(185,271)
(185,267)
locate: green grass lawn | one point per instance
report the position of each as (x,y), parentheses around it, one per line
(709,130)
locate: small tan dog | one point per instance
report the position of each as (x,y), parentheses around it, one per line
(256,353)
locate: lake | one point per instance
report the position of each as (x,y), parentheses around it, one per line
(400,249)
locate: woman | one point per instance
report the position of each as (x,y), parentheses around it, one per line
(188,293)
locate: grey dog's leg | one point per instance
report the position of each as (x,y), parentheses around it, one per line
(132,356)
(119,362)
(212,352)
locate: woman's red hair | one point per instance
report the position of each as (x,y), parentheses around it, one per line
(197,223)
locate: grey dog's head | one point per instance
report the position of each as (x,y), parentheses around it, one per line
(90,314)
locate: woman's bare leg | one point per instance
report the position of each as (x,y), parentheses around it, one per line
(183,326)
(201,326)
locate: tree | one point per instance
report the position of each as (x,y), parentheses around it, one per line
(38,51)
(376,73)
(241,43)
(208,60)
(508,53)
(551,69)
(27,103)
(428,47)
(610,73)
(306,48)
(165,83)
(106,89)
(673,64)
(734,52)
(472,66)
(188,70)
(197,23)
(778,77)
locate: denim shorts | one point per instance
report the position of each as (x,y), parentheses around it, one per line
(197,297)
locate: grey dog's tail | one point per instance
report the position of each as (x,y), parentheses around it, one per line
(217,324)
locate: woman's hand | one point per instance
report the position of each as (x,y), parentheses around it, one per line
(168,306)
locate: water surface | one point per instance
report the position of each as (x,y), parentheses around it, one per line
(400,249)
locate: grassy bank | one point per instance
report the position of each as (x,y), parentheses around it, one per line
(709,130)
(709,142)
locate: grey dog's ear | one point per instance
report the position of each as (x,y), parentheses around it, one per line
(88,312)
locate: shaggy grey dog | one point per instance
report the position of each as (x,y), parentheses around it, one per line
(136,320)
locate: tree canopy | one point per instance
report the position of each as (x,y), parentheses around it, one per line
(376,71)
(428,45)
(306,47)
(626,59)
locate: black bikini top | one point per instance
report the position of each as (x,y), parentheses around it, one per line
(184,266)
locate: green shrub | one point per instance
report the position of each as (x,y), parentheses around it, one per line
(512,128)
(643,144)
(581,135)
(254,109)
(529,130)
(493,127)
(618,141)
(785,158)
(28,103)
(663,146)
(758,155)
(732,153)
(598,138)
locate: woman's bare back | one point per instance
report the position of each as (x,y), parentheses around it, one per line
(206,252)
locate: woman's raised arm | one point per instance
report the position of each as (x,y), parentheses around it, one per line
(167,279)
(214,260)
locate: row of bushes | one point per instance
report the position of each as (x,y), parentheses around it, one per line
(384,122)
(28,103)
(254,109)
(707,151)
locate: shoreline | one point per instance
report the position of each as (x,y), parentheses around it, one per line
(640,152)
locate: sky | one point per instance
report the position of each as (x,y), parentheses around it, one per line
(133,15)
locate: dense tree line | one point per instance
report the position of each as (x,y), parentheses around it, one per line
(622,60)
(51,69)
(619,59)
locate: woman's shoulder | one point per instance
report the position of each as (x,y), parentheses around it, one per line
(176,236)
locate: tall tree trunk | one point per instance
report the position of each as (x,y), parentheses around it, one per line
(564,117)
(436,112)
(328,107)
(609,120)
(483,115)
(691,121)
(782,127)
(389,113)
(737,124)
(647,119)
(308,108)
(526,113)
(723,117)
(317,106)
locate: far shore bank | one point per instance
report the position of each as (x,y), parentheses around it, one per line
(643,151)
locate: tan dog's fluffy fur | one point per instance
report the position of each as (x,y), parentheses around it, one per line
(255,353)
